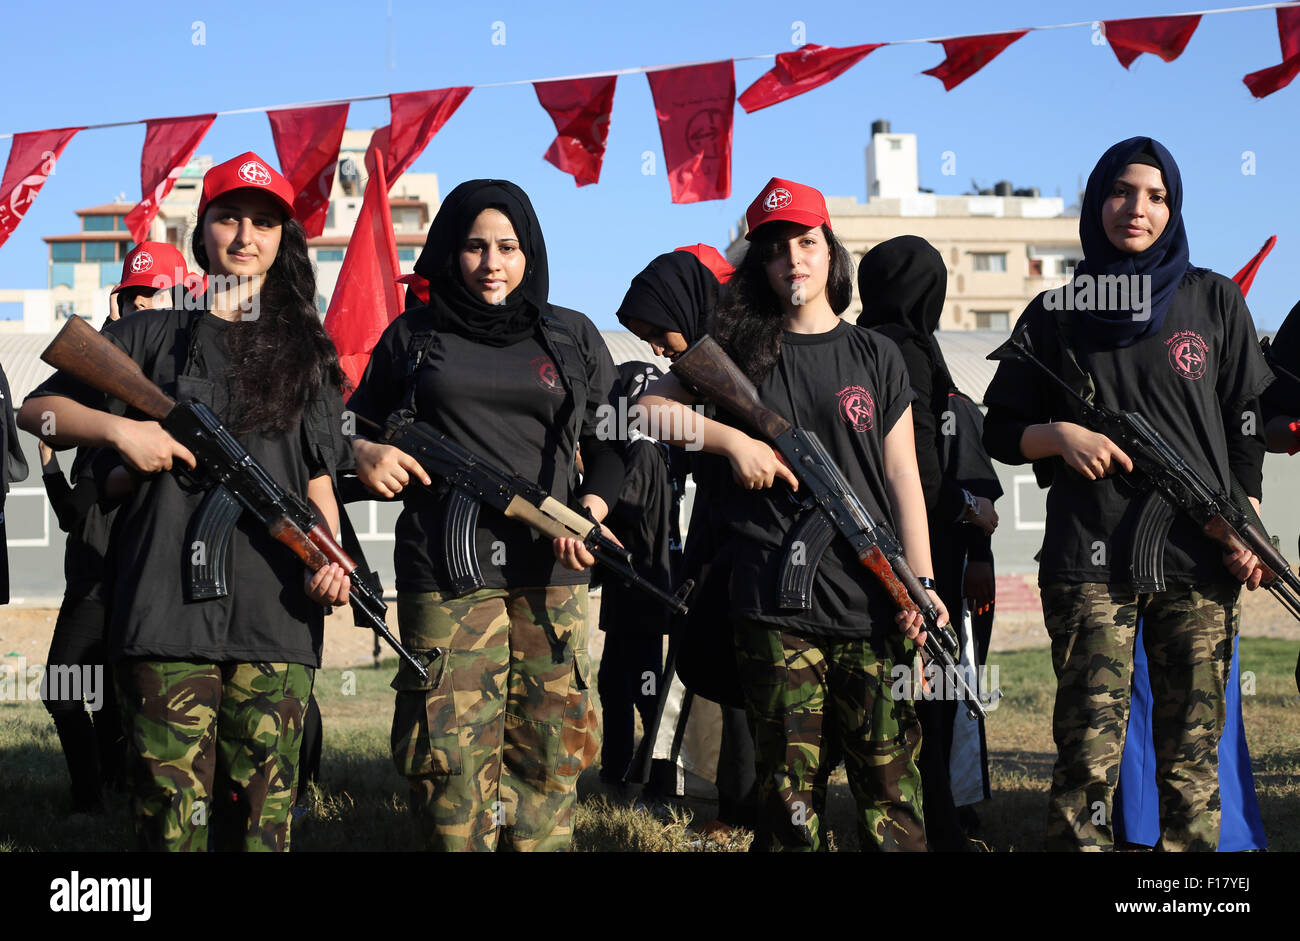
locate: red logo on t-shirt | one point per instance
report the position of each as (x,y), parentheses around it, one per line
(547,376)
(857,408)
(1188,354)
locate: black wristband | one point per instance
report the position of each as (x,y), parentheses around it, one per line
(926,582)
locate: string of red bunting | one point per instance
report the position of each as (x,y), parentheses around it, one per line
(694,104)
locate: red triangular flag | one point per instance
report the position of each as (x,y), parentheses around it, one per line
(307,142)
(966,55)
(1246,276)
(169,143)
(366,295)
(1165,36)
(32,157)
(417,116)
(803,70)
(695,106)
(580,108)
(1266,81)
(417,284)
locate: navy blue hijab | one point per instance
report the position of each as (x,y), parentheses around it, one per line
(1165,261)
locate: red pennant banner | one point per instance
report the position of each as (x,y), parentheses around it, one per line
(307,142)
(169,143)
(966,55)
(418,284)
(32,158)
(803,70)
(417,116)
(366,295)
(580,109)
(1246,276)
(1266,81)
(1164,36)
(695,106)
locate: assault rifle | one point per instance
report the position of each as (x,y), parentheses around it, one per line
(832,504)
(1174,487)
(237,482)
(474,482)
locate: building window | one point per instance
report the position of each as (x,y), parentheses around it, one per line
(989,261)
(119,224)
(109,275)
(65,251)
(329,254)
(11,310)
(61,274)
(406,254)
(97,223)
(101,251)
(329,217)
(407,219)
(895,143)
(65,311)
(992,319)
(322,305)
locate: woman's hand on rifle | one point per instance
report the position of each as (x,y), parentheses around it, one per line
(147,447)
(755,465)
(384,469)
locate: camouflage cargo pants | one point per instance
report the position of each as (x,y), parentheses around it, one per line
(493,744)
(213,744)
(1188,639)
(796,689)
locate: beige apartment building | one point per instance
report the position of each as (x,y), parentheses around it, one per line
(1002,247)
(85,264)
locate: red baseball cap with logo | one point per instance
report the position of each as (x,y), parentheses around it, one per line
(153,265)
(786,201)
(247,171)
(710,258)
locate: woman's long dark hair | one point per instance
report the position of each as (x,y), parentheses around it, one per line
(748,322)
(279,361)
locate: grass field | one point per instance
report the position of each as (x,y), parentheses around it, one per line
(361,803)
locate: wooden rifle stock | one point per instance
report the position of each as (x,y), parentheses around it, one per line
(83,353)
(712,374)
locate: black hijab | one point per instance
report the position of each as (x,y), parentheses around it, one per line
(903,283)
(455,308)
(1165,261)
(676,292)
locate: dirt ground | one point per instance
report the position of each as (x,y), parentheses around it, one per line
(25,632)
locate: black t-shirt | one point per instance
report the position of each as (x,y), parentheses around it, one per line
(508,405)
(87,521)
(266,616)
(1192,381)
(1282,398)
(848,386)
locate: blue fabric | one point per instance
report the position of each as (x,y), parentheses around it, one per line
(1165,261)
(1137,802)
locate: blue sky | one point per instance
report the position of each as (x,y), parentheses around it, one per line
(1038,115)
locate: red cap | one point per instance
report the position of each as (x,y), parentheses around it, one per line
(153,265)
(247,171)
(710,258)
(787,201)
